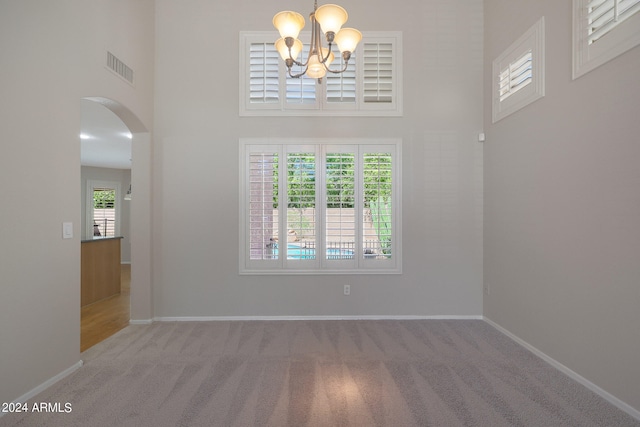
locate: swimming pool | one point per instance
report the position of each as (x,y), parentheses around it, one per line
(297,251)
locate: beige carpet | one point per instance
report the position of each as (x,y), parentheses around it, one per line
(318,373)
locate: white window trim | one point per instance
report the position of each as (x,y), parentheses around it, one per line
(586,57)
(91,186)
(320,266)
(321,107)
(532,40)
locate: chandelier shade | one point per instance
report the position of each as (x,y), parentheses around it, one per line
(331,18)
(283,50)
(347,39)
(288,23)
(316,69)
(327,19)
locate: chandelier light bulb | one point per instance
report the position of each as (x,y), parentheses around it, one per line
(331,17)
(288,23)
(347,39)
(283,49)
(317,70)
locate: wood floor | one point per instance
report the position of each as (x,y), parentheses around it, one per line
(100,320)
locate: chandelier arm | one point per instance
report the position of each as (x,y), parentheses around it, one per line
(336,71)
(291,60)
(297,76)
(346,55)
(300,64)
(323,60)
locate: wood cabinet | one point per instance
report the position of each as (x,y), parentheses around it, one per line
(100,269)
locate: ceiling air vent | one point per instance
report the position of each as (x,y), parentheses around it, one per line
(119,67)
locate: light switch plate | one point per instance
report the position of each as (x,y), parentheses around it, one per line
(67,230)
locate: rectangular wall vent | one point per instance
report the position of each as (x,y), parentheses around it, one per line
(119,67)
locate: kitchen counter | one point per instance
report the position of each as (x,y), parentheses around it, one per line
(100,269)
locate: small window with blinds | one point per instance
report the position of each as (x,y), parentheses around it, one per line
(264,68)
(103,209)
(378,73)
(341,88)
(311,207)
(301,92)
(604,15)
(370,86)
(516,76)
(104,212)
(602,30)
(518,73)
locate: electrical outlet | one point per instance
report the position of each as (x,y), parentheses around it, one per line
(347,289)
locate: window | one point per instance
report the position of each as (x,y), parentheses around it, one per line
(515,76)
(602,30)
(310,206)
(103,209)
(371,85)
(518,74)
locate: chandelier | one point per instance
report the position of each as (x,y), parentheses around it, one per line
(329,18)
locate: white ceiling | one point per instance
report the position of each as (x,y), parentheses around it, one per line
(105,140)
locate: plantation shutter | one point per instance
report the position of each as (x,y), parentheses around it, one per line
(340,202)
(320,207)
(371,85)
(263,194)
(516,76)
(378,213)
(264,67)
(341,88)
(301,90)
(301,206)
(604,15)
(378,72)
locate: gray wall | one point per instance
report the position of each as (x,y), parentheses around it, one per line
(196,164)
(562,206)
(53,54)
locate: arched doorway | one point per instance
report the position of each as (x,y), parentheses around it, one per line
(139,207)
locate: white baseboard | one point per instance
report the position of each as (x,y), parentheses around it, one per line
(140,321)
(51,381)
(571,374)
(266,318)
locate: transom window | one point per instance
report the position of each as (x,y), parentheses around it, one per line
(317,207)
(518,73)
(602,30)
(515,76)
(371,86)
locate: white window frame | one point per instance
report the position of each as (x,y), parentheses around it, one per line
(321,106)
(93,185)
(531,41)
(621,36)
(320,265)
